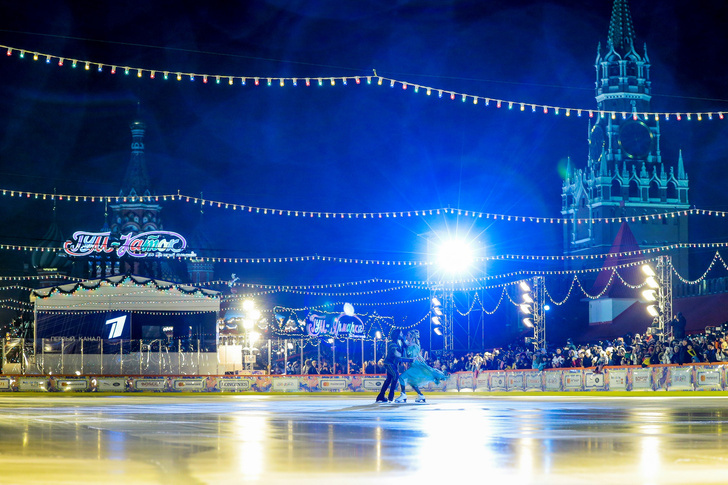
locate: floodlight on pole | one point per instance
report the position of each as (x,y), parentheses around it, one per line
(455,256)
(647,270)
(533,306)
(658,293)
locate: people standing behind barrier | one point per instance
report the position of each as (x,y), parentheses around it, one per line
(678,326)
(307,367)
(682,356)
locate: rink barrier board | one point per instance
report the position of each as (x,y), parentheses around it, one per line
(694,377)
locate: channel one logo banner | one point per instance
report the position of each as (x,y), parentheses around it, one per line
(54,326)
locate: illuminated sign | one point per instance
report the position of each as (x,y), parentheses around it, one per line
(145,244)
(117,326)
(343,325)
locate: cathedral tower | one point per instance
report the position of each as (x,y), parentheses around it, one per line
(625,176)
(134,211)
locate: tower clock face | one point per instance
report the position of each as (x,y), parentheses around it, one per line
(635,139)
(596,143)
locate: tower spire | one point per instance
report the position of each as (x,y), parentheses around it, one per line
(621,28)
(136,180)
(680,167)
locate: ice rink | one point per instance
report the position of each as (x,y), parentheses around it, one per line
(317,439)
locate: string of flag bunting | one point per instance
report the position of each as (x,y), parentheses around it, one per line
(373,79)
(359,215)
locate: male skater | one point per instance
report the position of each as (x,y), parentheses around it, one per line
(395,353)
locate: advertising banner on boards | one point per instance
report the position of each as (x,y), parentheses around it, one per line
(498,381)
(111,384)
(234,384)
(534,381)
(515,381)
(617,379)
(709,378)
(678,378)
(594,381)
(552,380)
(73,384)
(641,379)
(572,379)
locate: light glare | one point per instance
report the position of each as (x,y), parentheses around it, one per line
(455,256)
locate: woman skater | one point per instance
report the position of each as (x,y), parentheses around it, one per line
(419,373)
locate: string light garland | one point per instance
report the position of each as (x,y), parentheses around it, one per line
(49,276)
(18,302)
(377,262)
(374,79)
(248,209)
(113,306)
(93,285)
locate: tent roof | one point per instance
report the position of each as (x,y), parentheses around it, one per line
(126,293)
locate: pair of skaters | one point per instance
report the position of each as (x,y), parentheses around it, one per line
(403,349)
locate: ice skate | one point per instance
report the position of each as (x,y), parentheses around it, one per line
(420,398)
(402,398)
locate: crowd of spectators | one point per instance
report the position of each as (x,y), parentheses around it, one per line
(641,350)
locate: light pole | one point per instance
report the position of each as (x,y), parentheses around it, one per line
(533,305)
(454,256)
(659,293)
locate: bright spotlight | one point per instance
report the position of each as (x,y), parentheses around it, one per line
(378,335)
(652,310)
(436,321)
(525,308)
(650,295)
(647,269)
(524,286)
(652,282)
(248,305)
(528,322)
(455,256)
(254,336)
(349,309)
(527,298)
(436,302)
(437,330)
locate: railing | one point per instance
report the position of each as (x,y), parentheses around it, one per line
(689,377)
(705,287)
(67,356)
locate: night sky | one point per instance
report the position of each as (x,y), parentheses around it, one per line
(354,148)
